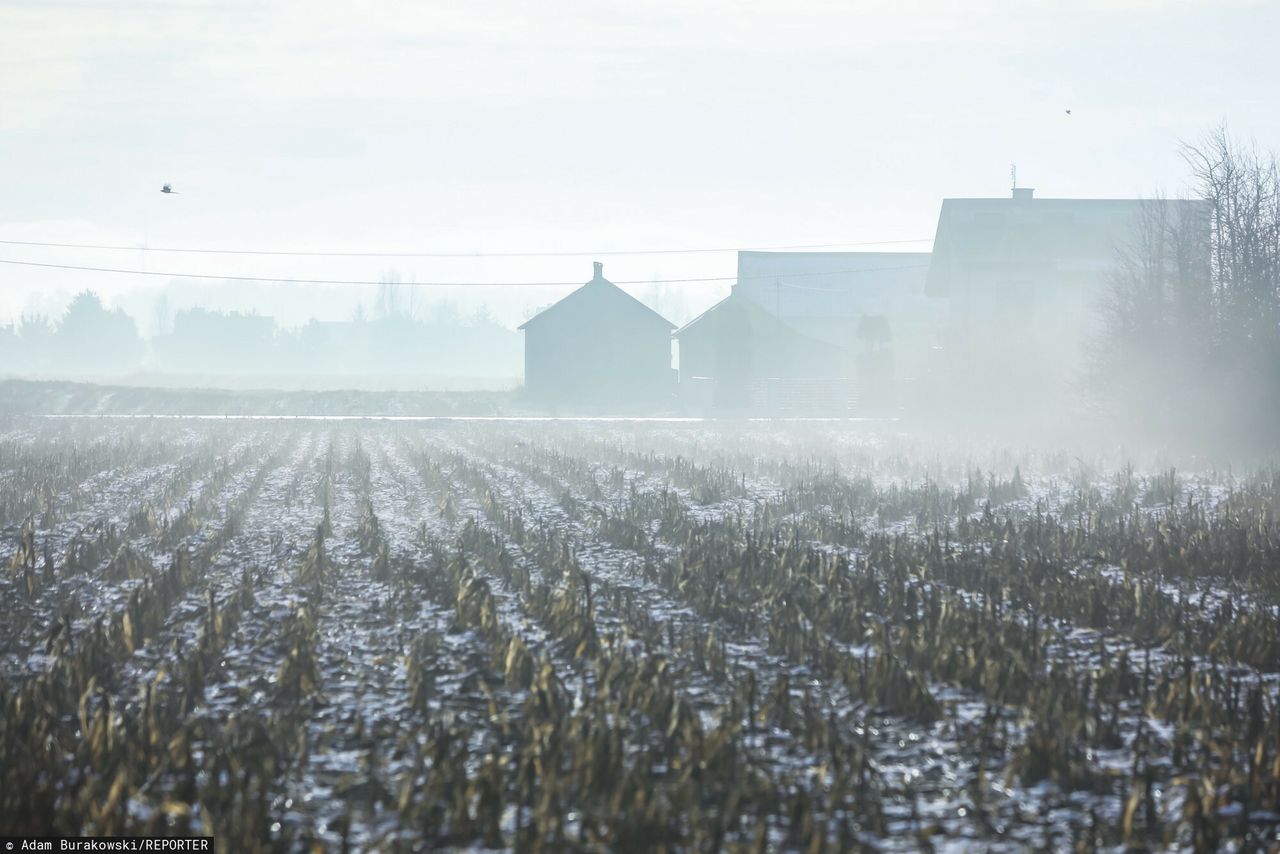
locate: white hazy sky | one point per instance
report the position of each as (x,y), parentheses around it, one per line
(496,125)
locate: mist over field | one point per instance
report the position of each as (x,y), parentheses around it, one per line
(662,427)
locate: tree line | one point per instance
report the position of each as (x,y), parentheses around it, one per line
(91,340)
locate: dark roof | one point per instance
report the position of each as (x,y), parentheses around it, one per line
(742,338)
(1055,235)
(750,318)
(735,306)
(599,288)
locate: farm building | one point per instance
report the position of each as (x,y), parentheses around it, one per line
(1026,278)
(736,357)
(833,296)
(861,318)
(599,347)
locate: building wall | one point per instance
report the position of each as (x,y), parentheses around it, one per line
(732,351)
(1027,278)
(1038,269)
(738,358)
(600,352)
(824,295)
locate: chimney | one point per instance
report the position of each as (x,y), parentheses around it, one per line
(599,271)
(1022,194)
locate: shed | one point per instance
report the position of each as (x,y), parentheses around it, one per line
(737,357)
(599,348)
(831,295)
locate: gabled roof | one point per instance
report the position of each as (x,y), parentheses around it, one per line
(598,290)
(736,337)
(1053,235)
(734,307)
(748,318)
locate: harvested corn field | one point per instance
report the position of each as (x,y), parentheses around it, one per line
(577,635)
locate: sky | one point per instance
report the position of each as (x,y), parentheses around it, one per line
(494,126)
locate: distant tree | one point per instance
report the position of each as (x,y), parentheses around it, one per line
(1152,340)
(394,299)
(37,342)
(216,343)
(9,350)
(1191,332)
(94,340)
(444,312)
(659,297)
(161,315)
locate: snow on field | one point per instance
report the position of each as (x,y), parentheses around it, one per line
(628,632)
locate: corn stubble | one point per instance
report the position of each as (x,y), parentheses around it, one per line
(406,637)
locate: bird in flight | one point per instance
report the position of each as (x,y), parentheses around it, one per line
(1068,113)
(168,188)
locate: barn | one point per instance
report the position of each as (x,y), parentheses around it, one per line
(812,333)
(599,349)
(832,296)
(738,358)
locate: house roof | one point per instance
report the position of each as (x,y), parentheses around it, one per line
(593,292)
(749,317)
(736,337)
(1055,235)
(846,285)
(726,304)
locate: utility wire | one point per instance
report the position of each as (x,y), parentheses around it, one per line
(280,281)
(119,248)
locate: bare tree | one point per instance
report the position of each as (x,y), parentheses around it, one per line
(1243,187)
(396,300)
(1191,331)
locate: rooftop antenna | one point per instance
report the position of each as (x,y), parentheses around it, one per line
(1013,175)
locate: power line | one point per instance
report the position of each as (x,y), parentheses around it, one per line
(283,253)
(280,281)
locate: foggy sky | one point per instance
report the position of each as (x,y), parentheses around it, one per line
(579,126)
